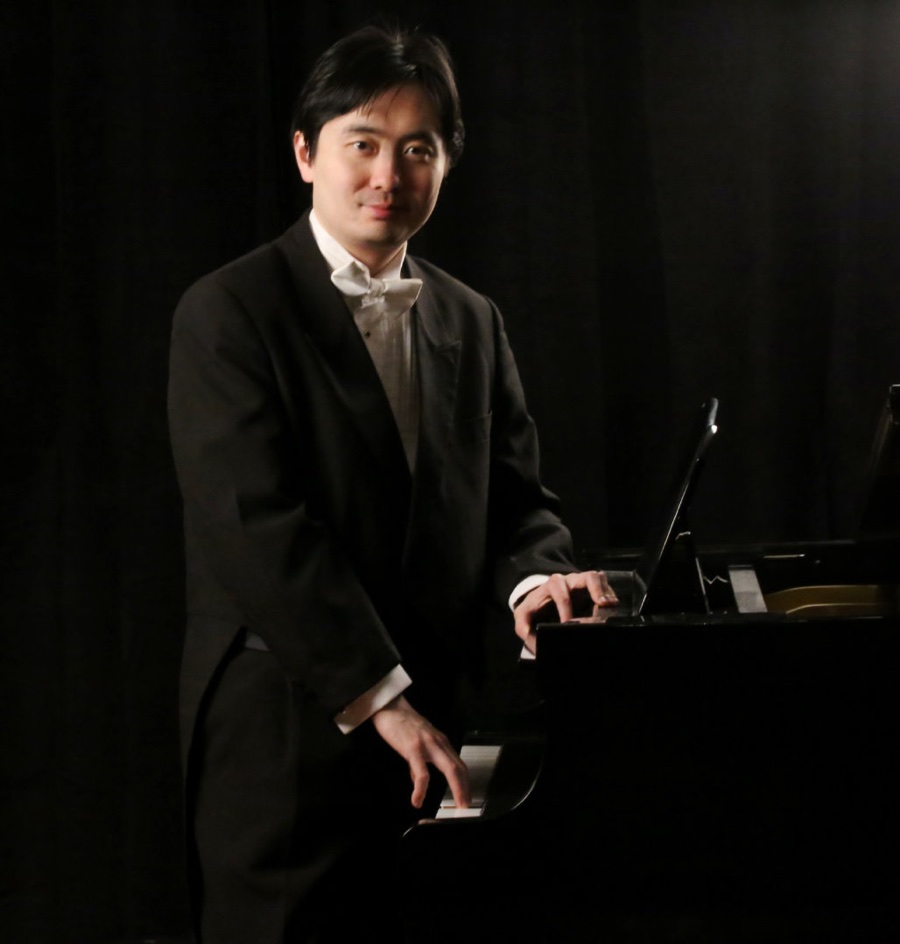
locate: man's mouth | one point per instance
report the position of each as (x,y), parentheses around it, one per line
(383,211)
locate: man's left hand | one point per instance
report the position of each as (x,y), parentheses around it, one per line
(558,589)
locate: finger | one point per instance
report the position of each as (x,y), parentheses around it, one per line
(524,629)
(459,787)
(559,589)
(554,591)
(563,605)
(454,769)
(418,772)
(600,589)
(523,626)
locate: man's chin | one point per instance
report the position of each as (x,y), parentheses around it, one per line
(385,237)
(385,231)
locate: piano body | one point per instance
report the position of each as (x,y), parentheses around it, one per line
(721,775)
(720,771)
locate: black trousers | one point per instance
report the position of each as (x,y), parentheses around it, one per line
(294,825)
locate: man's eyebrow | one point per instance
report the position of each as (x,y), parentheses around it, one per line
(424,134)
(361,129)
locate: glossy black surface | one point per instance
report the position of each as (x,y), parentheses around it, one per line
(704,777)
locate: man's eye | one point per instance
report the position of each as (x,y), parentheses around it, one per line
(419,151)
(361,146)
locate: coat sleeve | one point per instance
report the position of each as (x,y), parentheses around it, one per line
(528,534)
(243,475)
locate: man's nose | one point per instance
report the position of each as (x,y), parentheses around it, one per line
(385,171)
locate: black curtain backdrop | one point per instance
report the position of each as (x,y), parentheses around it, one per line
(669,199)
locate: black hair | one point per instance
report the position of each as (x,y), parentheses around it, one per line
(359,68)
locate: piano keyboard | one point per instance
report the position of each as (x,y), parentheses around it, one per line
(481,759)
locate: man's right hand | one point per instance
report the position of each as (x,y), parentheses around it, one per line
(419,743)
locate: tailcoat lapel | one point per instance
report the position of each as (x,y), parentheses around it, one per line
(437,351)
(345,361)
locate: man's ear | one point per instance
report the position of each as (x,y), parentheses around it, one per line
(301,155)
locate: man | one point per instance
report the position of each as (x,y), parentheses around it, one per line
(360,482)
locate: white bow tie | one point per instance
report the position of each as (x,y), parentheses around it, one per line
(389,297)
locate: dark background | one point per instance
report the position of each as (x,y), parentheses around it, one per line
(669,199)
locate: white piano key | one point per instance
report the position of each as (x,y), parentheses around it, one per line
(481,759)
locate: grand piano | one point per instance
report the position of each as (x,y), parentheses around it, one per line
(720,768)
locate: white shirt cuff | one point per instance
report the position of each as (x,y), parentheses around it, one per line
(362,708)
(526,586)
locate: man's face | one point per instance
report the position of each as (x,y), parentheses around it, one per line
(377,173)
